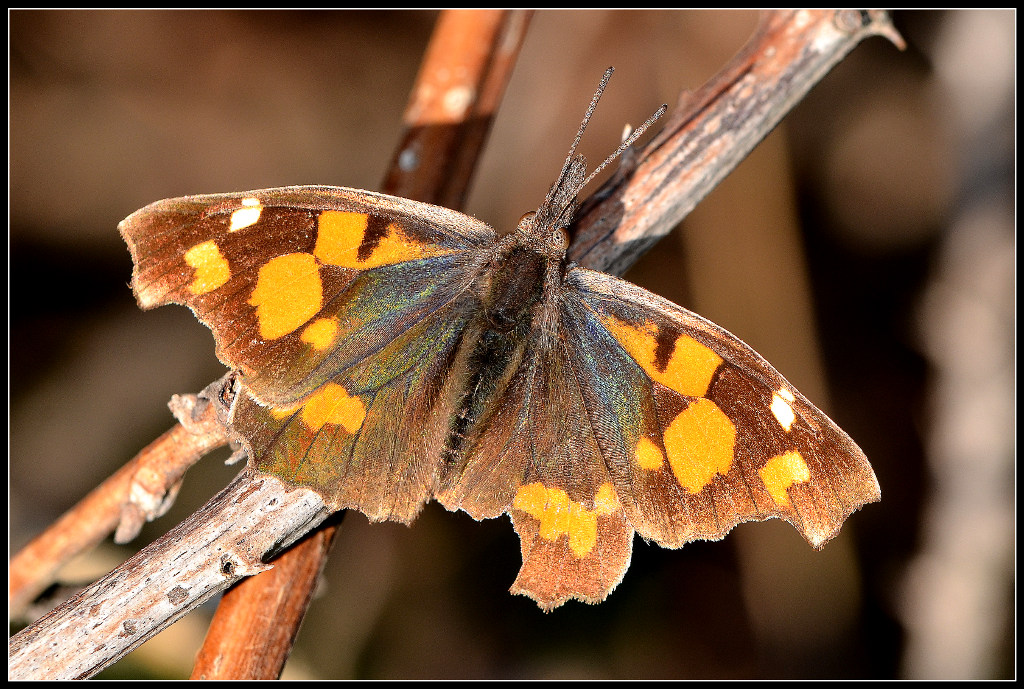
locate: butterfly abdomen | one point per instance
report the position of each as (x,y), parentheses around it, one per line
(493,358)
(511,297)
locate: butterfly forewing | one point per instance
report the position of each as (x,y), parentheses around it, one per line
(725,438)
(298,283)
(539,458)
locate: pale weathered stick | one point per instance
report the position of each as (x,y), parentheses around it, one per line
(224,541)
(63,628)
(141,490)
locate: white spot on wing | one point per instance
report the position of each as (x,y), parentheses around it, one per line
(782,410)
(247,215)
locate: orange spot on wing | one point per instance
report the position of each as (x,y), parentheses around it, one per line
(558,515)
(212,269)
(341,233)
(689,369)
(332,404)
(288,293)
(606,501)
(649,455)
(320,333)
(781,472)
(700,443)
(282,412)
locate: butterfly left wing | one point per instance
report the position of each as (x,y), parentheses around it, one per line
(641,416)
(342,308)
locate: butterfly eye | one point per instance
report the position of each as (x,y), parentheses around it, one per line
(526,220)
(560,239)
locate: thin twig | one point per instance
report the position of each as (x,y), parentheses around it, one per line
(69,641)
(252,633)
(138,492)
(456,96)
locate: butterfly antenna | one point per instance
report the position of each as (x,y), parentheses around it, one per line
(568,196)
(568,184)
(579,134)
(636,134)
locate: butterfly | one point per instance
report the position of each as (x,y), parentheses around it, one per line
(394,352)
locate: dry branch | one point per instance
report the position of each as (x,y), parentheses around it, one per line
(221,543)
(140,491)
(713,129)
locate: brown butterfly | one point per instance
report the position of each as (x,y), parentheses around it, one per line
(395,352)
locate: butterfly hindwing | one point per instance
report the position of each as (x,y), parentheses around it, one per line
(538,457)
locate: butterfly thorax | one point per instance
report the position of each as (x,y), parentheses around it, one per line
(526,264)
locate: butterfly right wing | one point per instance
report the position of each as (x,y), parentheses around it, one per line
(710,434)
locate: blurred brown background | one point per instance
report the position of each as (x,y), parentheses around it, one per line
(866,248)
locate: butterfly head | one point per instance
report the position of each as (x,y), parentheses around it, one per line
(547,227)
(548,238)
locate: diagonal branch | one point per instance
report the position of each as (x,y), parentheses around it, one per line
(141,490)
(712,131)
